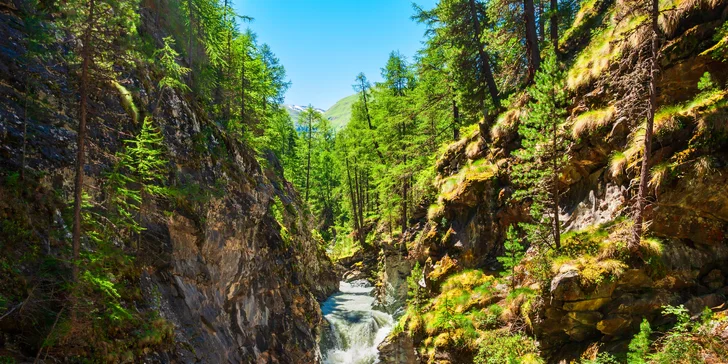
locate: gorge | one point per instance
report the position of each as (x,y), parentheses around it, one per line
(544,182)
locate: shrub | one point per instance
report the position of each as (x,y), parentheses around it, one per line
(499,347)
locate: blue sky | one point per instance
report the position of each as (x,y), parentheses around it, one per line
(324,44)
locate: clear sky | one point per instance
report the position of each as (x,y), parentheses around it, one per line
(324,44)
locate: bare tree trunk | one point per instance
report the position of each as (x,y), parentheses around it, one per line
(484,58)
(360,184)
(554,24)
(359,202)
(634,243)
(81,145)
(534,58)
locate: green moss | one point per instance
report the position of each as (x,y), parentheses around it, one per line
(476,171)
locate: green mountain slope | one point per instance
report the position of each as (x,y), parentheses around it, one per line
(340,113)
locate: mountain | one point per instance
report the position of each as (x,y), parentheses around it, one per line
(295,110)
(340,113)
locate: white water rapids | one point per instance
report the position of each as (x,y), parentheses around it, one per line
(356,329)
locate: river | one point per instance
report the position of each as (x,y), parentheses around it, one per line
(355,328)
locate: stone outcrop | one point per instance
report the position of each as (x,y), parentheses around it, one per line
(688,211)
(391,291)
(397,349)
(238,285)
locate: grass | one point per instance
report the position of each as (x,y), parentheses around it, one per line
(605,46)
(507,123)
(587,11)
(666,118)
(592,121)
(600,252)
(669,119)
(457,316)
(340,113)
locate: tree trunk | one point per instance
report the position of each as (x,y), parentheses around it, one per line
(634,243)
(351,195)
(226,110)
(362,201)
(534,58)
(192,36)
(359,202)
(455,120)
(405,187)
(555,186)
(484,58)
(25,130)
(369,122)
(81,145)
(242,87)
(541,22)
(308,162)
(555,25)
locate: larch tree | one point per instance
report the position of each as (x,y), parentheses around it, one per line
(101,25)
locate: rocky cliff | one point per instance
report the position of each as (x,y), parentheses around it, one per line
(595,292)
(228,260)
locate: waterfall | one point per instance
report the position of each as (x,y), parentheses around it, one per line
(355,328)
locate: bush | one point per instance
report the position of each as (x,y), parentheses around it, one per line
(499,347)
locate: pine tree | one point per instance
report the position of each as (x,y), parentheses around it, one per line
(513,254)
(543,153)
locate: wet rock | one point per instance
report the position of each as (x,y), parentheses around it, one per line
(397,349)
(392,281)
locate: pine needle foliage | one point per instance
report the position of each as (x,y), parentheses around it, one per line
(514,252)
(543,153)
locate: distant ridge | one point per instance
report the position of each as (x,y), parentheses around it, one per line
(339,114)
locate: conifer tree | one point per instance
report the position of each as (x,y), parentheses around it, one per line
(513,254)
(173,72)
(543,152)
(102,26)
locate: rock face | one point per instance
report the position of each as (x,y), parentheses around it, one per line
(614,309)
(398,349)
(392,281)
(688,210)
(238,285)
